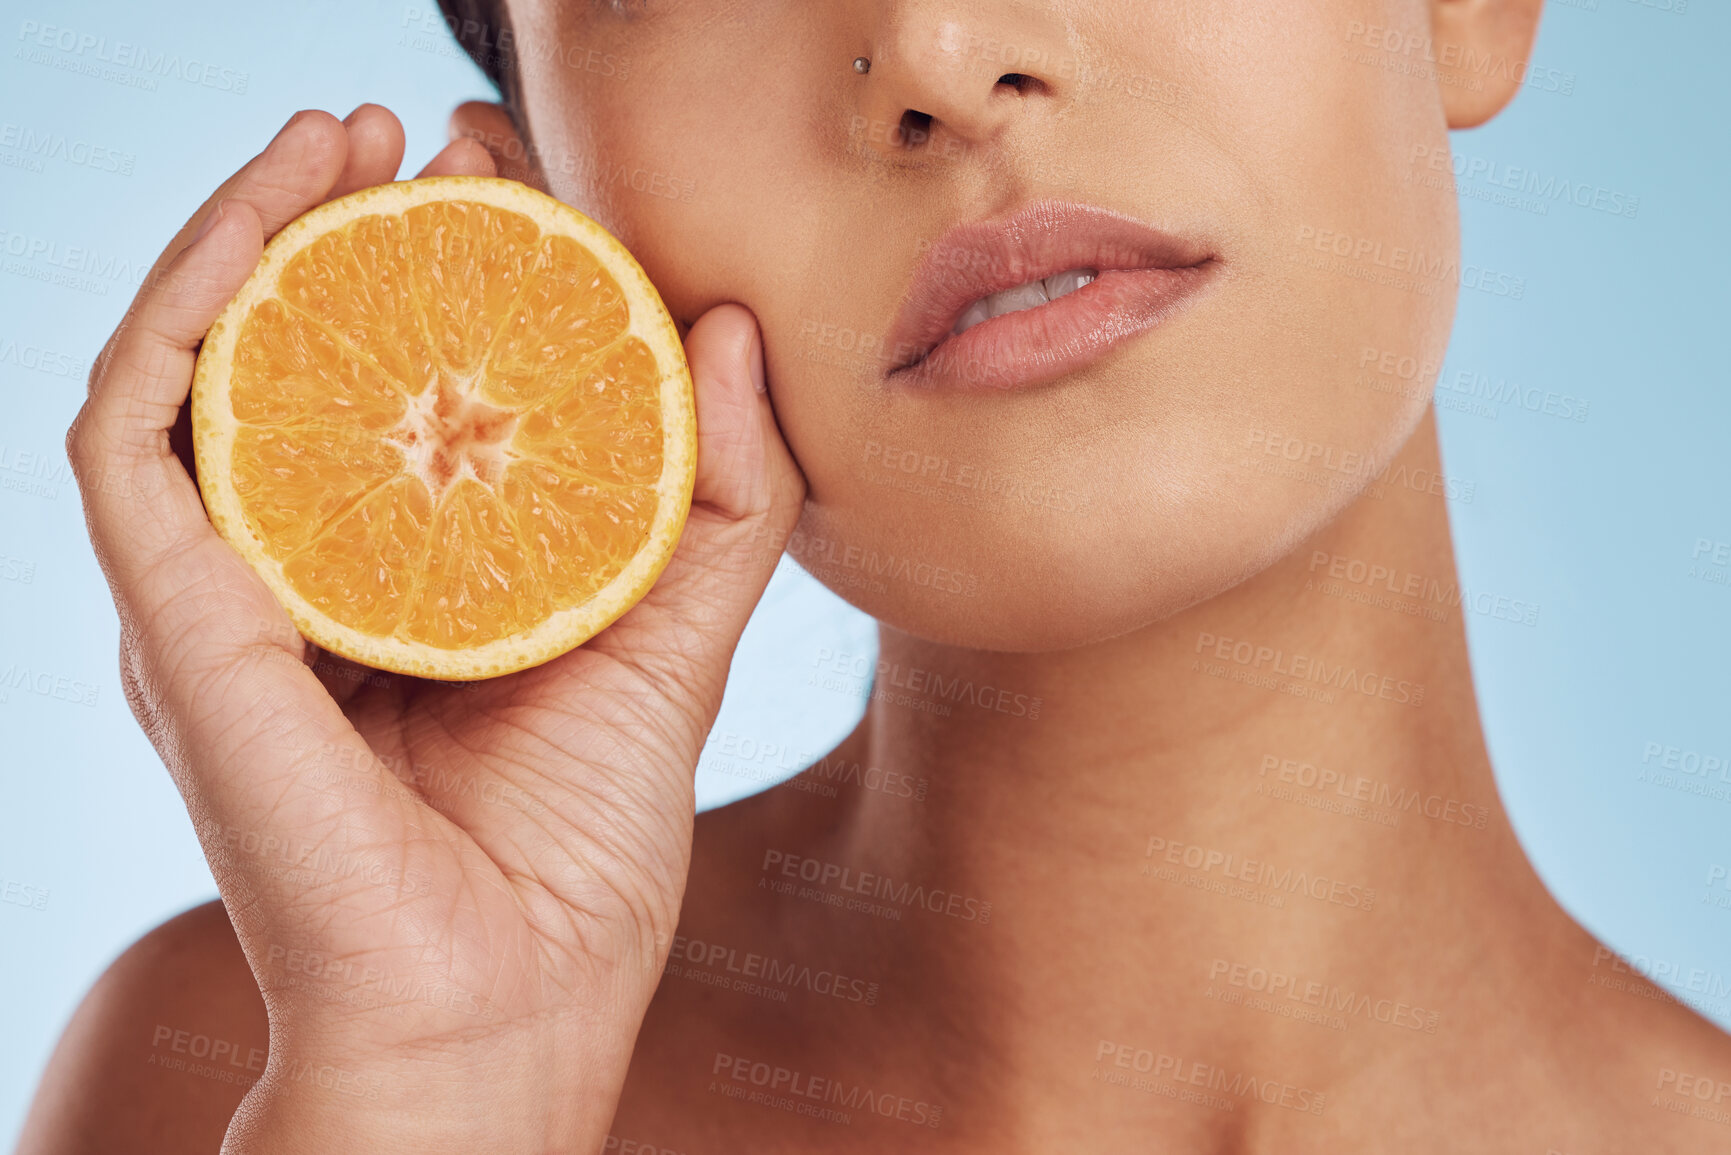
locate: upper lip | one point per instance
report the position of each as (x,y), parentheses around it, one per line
(979,258)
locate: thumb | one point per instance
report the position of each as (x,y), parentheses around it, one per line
(744,470)
(746,499)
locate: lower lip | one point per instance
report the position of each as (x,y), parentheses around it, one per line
(1034,346)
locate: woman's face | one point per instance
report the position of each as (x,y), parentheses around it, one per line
(1058,477)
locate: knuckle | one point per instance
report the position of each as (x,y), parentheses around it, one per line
(78,451)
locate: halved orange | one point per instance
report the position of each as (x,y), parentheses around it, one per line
(450,423)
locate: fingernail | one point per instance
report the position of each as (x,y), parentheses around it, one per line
(758,381)
(208,224)
(351,116)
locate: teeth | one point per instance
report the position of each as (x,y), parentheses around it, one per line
(976,312)
(1063,284)
(1029,296)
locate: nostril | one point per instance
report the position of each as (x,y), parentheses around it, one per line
(1021,82)
(916,128)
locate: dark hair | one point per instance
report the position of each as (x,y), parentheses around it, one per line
(483,28)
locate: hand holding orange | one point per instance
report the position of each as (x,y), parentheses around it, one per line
(449,427)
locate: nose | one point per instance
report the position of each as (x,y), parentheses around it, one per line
(945,74)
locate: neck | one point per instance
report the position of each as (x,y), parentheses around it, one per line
(1288,780)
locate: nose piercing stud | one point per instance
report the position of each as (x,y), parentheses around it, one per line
(861,65)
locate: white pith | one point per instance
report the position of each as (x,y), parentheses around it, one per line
(423,434)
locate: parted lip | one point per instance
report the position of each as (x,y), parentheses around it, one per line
(974,260)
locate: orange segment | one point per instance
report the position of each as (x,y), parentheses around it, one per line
(607,426)
(472,259)
(291,369)
(477,575)
(577,535)
(571,309)
(361,571)
(450,423)
(355,279)
(292,480)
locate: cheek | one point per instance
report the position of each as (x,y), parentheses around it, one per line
(1158,478)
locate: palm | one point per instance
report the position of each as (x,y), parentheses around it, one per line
(536,826)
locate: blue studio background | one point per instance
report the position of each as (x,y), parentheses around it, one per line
(1605,511)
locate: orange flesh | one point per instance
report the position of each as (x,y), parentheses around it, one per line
(446,434)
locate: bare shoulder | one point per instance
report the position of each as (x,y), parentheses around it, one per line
(1677,1076)
(161,1051)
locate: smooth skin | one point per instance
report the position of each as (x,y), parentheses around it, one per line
(493,981)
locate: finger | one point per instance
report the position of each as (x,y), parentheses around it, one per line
(742,462)
(311,146)
(375,150)
(144,375)
(463,157)
(138,499)
(291,175)
(374,154)
(746,499)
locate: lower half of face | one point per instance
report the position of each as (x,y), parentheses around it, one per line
(1257,284)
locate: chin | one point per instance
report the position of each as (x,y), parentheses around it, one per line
(1025,582)
(1032,593)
